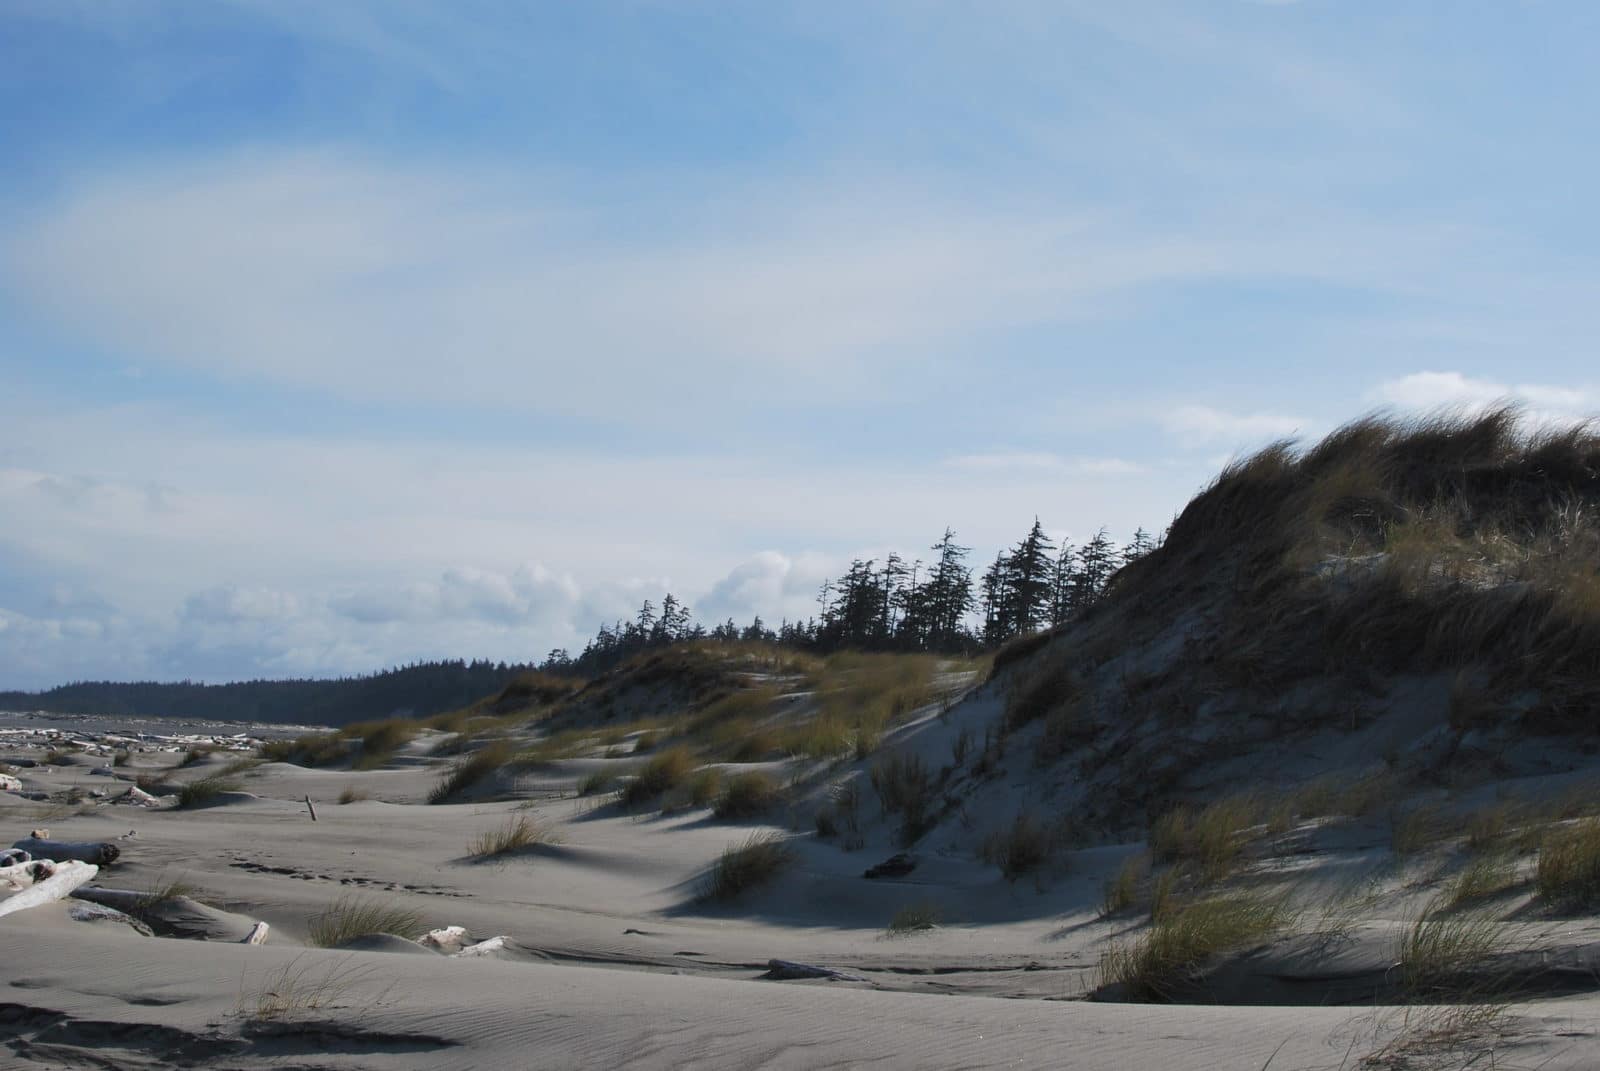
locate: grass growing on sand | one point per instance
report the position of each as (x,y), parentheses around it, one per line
(748,795)
(468,771)
(164,888)
(1170,956)
(1021,849)
(352,916)
(352,793)
(312,749)
(1569,864)
(1211,839)
(757,861)
(299,987)
(204,790)
(660,775)
(517,833)
(1122,891)
(1441,954)
(914,918)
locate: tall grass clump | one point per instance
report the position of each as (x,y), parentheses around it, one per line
(1212,839)
(1569,865)
(1021,849)
(660,775)
(1442,957)
(515,834)
(352,916)
(205,790)
(905,787)
(756,862)
(914,918)
(468,771)
(1170,958)
(1122,891)
(380,740)
(748,795)
(312,749)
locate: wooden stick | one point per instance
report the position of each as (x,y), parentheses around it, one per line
(310,808)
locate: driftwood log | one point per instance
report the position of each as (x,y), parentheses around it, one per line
(67,877)
(9,783)
(482,948)
(788,970)
(121,899)
(446,939)
(99,853)
(257,935)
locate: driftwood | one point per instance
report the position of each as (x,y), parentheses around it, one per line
(9,783)
(121,899)
(257,935)
(68,876)
(482,948)
(310,808)
(448,939)
(99,853)
(13,857)
(787,970)
(19,876)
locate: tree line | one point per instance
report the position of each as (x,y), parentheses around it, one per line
(933,606)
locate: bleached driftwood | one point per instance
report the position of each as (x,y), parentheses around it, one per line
(257,935)
(68,876)
(97,852)
(786,970)
(9,783)
(447,939)
(13,857)
(482,948)
(139,797)
(19,876)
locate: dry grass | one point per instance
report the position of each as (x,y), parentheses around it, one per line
(914,918)
(757,861)
(516,834)
(659,776)
(298,987)
(597,783)
(905,787)
(468,771)
(1442,955)
(1569,865)
(1122,891)
(352,916)
(748,795)
(380,740)
(352,793)
(704,787)
(1482,877)
(1169,958)
(1022,848)
(164,888)
(1211,839)
(241,766)
(205,790)
(312,749)
(1416,829)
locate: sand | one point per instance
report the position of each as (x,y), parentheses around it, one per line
(610,959)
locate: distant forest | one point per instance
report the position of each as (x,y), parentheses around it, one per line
(421,689)
(935,606)
(931,606)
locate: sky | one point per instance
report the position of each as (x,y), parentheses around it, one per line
(335,335)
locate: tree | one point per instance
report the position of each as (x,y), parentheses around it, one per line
(1029,572)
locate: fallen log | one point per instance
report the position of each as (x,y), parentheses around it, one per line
(787,970)
(482,948)
(257,935)
(9,783)
(21,875)
(121,899)
(447,939)
(13,857)
(100,853)
(68,876)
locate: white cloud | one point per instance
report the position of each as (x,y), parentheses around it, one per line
(1543,403)
(1200,424)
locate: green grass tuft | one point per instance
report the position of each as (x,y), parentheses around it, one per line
(353,916)
(754,863)
(748,795)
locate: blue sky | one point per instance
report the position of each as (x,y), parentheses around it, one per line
(341,334)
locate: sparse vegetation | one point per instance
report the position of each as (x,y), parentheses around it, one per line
(757,861)
(914,918)
(1022,849)
(660,775)
(380,740)
(517,833)
(352,916)
(1442,955)
(1482,877)
(905,787)
(299,987)
(164,889)
(1415,829)
(240,766)
(1169,958)
(352,793)
(468,771)
(205,790)
(58,756)
(1210,839)
(197,753)
(704,786)
(1569,864)
(596,783)
(312,749)
(748,795)
(1122,891)
(120,758)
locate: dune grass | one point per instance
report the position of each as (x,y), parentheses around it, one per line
(1210,839)
(704,787)
(748,795)
(1442,955)
(204,790)
(353,793)
(1169,958)
(1022,848)
(515,834)
(659,776)
(165,888)
(379,740)
(1483,876)
(299,987)
(914,918)
(597,783)
(1122,891)
(312,749)
(1568,874)
(352,916)
(759,860)
(468,771)
(905,787)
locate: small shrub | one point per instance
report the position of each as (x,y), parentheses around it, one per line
(204,790)
(1122,891)
(351,794)
(666,771)
(597,783)
(961,747)
(1022,849)
(352,916)
(756,862)
(1569,864)
(748,795)
(517,833)
(1169,958)
(914,918)
(119,759)
(827,824)
(468,771)
(704,786)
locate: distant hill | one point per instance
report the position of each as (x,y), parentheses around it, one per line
(420,690)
